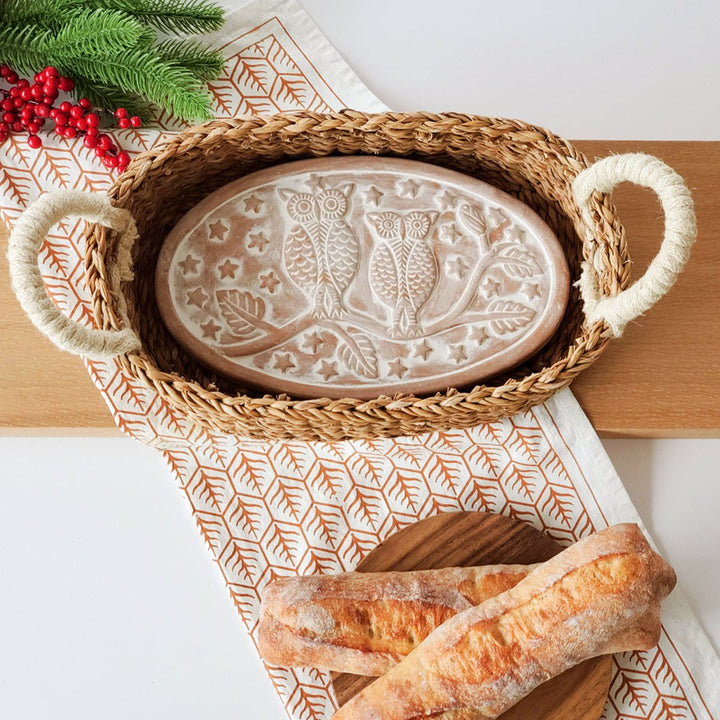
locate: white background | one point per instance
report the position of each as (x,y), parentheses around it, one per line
(109,604)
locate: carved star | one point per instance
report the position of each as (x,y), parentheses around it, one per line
(447,200)
(515,233)
(409,188)
(530,290)
(269,281)
(457,266)
(257,240)
(496,216)
(449,233)
(327,370)
(314,342)
(397,368)
(218,230)
(197,297)
(457,353)
(316,183)
(253,204)
(491,287)
(479,335)
(283,363)
(373,195)
(210,329)
(228,269)
(423,350)
(189,265)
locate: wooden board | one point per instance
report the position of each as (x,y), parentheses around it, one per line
(657,381)
(473,538)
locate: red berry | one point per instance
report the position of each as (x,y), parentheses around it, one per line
(60,118)
(135,121)
(110,161)
(91,131)
(66,84)
(84,103)
(18,102)
(92,120)
(69,132)
(121,112)
(8,117)
(43,110)
(23,83)
(5,70)
(51,71)
(37,92)
(3,137)
(123,158)
(39,77)
(4,127)
(90,141)
(34,127)
(123,123)
(17,126)
(104,141)
(7,104)
(76,111)
(100,152)
(12,77)
(65,106)
(81,124)
(59,129)
(49,92)
(26,94)
(34,142)
(14,92)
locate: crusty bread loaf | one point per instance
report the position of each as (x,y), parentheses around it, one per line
(601,595)
(365,623)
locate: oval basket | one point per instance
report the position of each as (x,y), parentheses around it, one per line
(527,162)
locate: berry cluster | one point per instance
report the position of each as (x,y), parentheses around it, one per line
(26,108)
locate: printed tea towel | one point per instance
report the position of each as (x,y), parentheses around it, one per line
(272,509)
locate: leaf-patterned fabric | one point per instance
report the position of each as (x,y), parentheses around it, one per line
(266,510)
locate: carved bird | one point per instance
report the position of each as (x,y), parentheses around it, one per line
(403,266)
(321,252)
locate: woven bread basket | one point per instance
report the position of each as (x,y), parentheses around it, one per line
(525,161)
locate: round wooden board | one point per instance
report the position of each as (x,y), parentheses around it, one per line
(472,538)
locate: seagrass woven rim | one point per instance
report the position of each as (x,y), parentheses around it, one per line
(538,162)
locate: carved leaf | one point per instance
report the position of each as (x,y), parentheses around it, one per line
(358,353)
(473,219)
(240,308)
(519,262)
(507,316)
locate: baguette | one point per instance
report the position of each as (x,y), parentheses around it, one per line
(601,595)
(365,623)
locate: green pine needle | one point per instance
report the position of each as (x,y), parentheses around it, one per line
(204,63)
(110,98)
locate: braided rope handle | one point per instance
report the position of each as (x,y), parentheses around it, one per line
(680,232)
(24,244)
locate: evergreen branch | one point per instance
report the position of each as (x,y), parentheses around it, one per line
(204,63)
(170,16)
(142,71)
(109,98)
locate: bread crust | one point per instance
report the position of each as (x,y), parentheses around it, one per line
(600,595)
(365,623)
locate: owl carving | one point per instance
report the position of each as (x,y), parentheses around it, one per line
(403,266)
(321,251)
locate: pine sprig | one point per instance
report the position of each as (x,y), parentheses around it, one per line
(204,63)
(111,46)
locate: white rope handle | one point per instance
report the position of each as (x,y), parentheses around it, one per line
(24,244)
(680,232)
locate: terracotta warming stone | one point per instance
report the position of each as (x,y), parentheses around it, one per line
(361,276)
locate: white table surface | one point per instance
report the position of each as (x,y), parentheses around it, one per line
(109,604)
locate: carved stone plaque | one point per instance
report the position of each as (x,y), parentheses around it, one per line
(361,276)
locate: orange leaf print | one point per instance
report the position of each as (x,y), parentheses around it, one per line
(327,480)
(176,462)
(248,472)
(282,543)
(207,490)
(281,60)
(289,456)
(55,256)
(306,705)
(366,468)
(57,168)
(558,505)
(211,529)
(238,560)
(404,489)
(258,106)
(443,470)
(357,549)
(481,495)
(666,710)
(521,481)
(245,602)
(245,514)
(323,523)
(528,443)
(286,495)
(169,416)
(363,504)
(129,392)
(290,89)
(15,187)
(223,93)
(664,674)
(315,563)
(486,457)
(254,75)
(406,453)
(449,442)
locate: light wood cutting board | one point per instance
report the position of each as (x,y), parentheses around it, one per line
(475,538)
(657,381)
